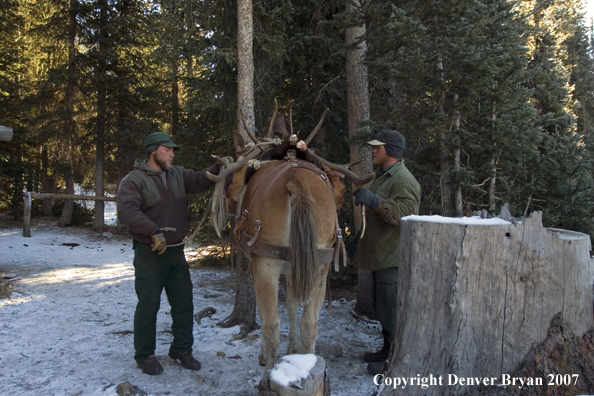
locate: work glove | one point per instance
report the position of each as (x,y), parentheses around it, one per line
(159,243)
(366,197)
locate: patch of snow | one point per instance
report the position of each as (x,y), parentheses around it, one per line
(67,329)
(474,220)
(293,368)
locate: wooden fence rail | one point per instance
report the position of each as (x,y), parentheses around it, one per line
(28,196)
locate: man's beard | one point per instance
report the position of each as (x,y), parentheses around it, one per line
(162,162)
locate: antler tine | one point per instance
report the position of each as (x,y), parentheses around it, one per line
(357,180)
(269,133)
(313,133)
(232,167)
(237,140)
(247,128)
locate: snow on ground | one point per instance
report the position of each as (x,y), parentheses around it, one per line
(67,328)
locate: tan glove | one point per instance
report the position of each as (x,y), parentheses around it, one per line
(159,243)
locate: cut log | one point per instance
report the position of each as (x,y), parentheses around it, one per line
(317,382)
(474,296)
(5,134)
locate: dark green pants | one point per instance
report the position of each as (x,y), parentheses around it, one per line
(154,272)
(384,294)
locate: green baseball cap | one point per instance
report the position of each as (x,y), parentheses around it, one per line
(156,139)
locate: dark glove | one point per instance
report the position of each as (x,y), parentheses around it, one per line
(159,243)
(366,197)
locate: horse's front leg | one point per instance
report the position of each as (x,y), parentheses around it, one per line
(309,318)
(266,272)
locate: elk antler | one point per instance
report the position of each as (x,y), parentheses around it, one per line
(247,128)
(358,181)
(313,133)
(234,166)
(270,127)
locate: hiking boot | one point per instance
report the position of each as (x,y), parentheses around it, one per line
(376,367)
(151,366)
(379,356)
(382,354)
(186,359)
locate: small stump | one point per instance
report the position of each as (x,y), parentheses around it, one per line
(314,383)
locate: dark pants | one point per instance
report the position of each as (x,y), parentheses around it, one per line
(384,294)
(154,272)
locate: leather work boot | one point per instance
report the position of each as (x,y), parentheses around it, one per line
(186,359)
(376,367)
(382,354)
(151,366)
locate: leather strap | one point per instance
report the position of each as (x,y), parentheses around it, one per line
(254,245)
(261,248)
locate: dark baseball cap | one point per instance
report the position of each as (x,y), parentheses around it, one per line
(394,142)
(156,139)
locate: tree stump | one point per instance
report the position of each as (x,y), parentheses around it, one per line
(317,383)
(473,299)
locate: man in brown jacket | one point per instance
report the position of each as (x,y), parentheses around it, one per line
(152,203)
(394,193)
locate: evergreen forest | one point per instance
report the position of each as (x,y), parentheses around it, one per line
(495,97)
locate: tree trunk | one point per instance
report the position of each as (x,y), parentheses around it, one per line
(244,311)
(444,163)
(473,299)
(48,184)
(99,218)
(358,110)
(68,209)
(245,67)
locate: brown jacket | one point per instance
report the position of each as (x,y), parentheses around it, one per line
(149,199)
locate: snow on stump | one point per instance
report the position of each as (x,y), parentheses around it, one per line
(475,295)
(297,375)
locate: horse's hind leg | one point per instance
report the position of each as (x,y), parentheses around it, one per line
(309,318)
(293,310)
(266,272)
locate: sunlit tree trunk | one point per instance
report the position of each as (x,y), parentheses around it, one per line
(244,311)
(69,126)
(101,107)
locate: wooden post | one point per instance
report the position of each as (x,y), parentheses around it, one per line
(473,299)
(27,215)
(31,195)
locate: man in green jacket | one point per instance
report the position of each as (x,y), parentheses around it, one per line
(152,203)
(394,193)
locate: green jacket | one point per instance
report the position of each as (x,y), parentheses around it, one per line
(400,196)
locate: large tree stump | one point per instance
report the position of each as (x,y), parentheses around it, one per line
(473,298)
